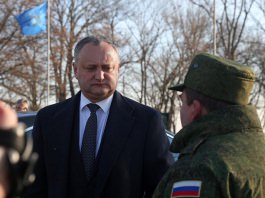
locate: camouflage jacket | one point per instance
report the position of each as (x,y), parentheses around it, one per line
(222,154)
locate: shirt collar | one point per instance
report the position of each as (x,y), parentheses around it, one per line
(104,104)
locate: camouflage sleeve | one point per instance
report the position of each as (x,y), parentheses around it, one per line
(189,181)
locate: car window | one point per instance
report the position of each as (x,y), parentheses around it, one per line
(28,119)
(170,136)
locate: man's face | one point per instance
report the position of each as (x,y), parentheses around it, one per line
(97,71)
(22,107)
(186,111)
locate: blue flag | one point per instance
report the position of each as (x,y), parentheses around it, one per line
(33,21)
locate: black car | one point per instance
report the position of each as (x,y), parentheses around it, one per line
(28,119)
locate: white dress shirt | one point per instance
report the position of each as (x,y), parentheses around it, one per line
(102,117)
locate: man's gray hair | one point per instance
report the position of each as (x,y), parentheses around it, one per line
(92,40)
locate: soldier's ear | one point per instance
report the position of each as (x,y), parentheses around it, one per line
(197,109)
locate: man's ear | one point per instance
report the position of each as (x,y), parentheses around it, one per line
(75,68)
(197,110)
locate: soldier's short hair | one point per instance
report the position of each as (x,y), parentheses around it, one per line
(209,103)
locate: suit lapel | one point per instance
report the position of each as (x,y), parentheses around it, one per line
(60,140)
(120,121)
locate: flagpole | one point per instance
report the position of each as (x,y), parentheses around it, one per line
(48,53)
(214,29)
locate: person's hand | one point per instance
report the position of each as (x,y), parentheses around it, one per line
(8,116)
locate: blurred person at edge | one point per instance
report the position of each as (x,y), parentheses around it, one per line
(22,105)
(16,157)
(221,145)
(8,120)
(132,149)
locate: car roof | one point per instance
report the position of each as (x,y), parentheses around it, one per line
(27,118)
(26,113)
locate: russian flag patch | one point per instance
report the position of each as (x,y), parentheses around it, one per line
(190,188)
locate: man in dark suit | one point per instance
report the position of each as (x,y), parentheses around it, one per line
(131,150)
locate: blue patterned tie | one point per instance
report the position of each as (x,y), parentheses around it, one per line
(88,148)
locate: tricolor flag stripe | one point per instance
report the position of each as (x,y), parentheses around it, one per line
(185,193)
(186,189)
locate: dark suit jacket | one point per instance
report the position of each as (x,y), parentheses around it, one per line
(133,154)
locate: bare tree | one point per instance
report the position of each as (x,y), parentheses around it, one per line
(189,36)
(231,23)
(146,30)
(21,59)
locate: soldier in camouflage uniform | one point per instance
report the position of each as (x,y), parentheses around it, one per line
(221,144)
